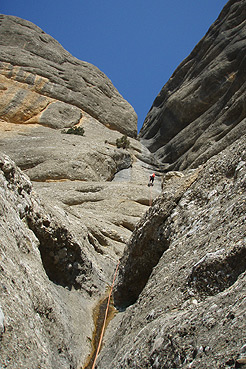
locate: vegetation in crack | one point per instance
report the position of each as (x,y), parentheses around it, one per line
(75,131)
(123,142)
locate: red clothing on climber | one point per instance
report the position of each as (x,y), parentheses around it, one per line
(151,178)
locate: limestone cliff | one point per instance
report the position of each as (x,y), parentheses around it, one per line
(42,321)
(63,232)
(42,83)
(182,280)
(202,108)
(72,205)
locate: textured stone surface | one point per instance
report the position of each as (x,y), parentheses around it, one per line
(57,256)
(202,108)
(43,321)
(65,243)
(181,284)
(104,187)
(35,71)
(60,115)
(148,242)
(85,199)
(88,206)
(190,311)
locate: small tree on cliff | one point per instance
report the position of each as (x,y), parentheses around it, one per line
(122,142)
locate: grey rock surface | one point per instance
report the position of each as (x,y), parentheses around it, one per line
(201,109)
(75,205)
(82,174)
(76,216)
(182,279)
(80,217)
(60,115)
(1,321)
(35,71)
(42,320)
(60,241)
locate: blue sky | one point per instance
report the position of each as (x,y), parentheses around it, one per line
(137,43)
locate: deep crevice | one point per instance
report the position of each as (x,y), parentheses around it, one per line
(134,274)
(148,243)
(63,261)
(128,225)
(95,244)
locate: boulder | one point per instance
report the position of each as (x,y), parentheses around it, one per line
(60,115)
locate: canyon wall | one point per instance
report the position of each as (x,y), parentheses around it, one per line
(180,290)
(72,205)
(69,201)
(202,108)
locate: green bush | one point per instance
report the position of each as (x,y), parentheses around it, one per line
(75,131)
(123,142)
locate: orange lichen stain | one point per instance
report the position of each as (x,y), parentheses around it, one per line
(30,106)
(98,318)
(57,180)
(10,72)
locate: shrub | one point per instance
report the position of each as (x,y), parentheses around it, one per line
(123,142)
(75,131)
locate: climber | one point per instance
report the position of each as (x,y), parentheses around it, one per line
(151,180)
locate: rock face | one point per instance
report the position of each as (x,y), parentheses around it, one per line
(41,322)
(57,256)
(180,290)
(183,275)
(36,73)
(72,205)
(202,109)
(68,213)
(45,91)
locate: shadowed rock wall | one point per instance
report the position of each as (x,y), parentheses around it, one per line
(181,285)
(42,314)
(202,108)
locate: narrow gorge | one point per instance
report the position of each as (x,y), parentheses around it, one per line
(75,200)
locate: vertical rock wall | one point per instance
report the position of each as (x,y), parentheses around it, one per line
(201,109)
